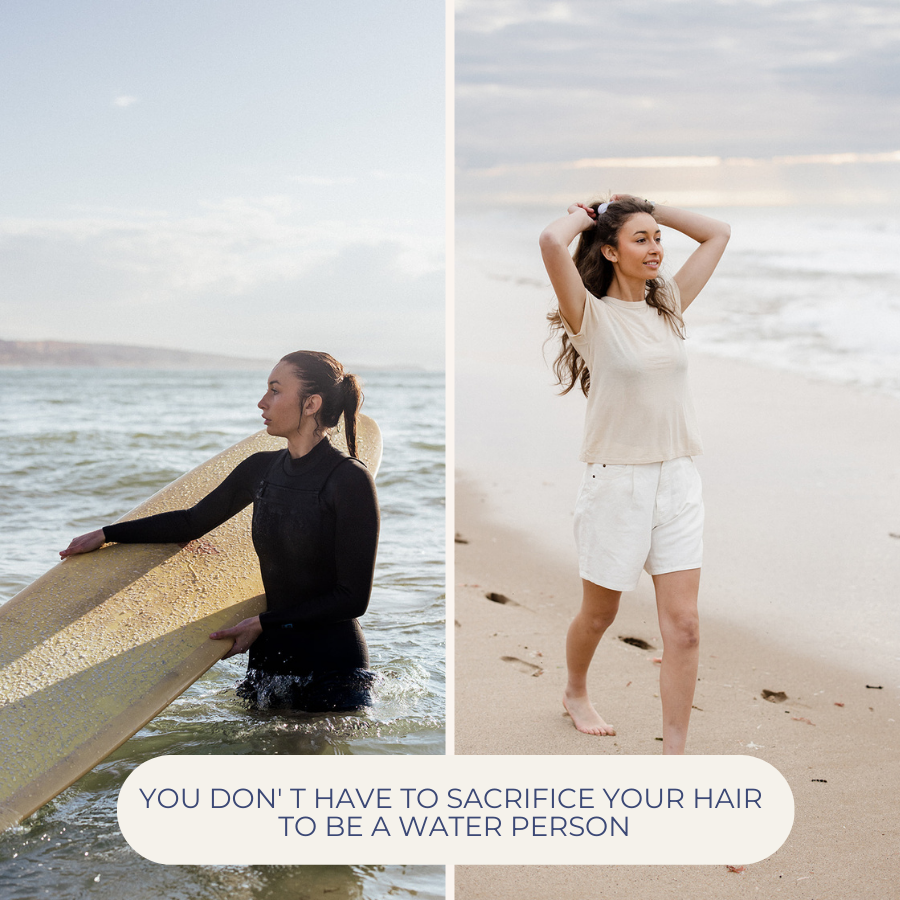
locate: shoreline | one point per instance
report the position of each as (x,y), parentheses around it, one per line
(801,487)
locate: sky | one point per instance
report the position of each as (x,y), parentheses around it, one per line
(225,176)
(246,178)
(710,101)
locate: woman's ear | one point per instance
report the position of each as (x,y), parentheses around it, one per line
(609,252)
(312,404)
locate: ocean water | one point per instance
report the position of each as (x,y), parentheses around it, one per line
(79,448)
(813,290)
(816,291)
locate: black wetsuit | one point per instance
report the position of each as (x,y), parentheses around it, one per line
(315,530)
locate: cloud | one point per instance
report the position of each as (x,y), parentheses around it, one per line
(242,275)
(322,180)
(124,100)
(373,175)
(231,245)
(486,18)
(539,82)
(649,162)
(700,162)
(834,178)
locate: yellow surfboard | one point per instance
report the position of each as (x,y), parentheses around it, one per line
(101,643)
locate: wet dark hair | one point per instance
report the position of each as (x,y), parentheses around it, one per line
(322,374)
(597,274)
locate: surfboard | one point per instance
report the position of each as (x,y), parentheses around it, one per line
(96,647)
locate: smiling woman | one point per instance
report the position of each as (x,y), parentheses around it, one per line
(315,530)
(640,504)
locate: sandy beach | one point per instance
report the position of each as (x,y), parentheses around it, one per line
(798,596)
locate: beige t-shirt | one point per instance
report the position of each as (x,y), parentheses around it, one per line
(639,407)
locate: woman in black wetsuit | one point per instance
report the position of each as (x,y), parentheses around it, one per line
(315,530)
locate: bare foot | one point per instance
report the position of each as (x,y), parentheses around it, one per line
(585,717)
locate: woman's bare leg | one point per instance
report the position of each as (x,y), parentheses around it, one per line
(598,610)
(676,602)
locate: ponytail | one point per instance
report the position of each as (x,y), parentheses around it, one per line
(352,401)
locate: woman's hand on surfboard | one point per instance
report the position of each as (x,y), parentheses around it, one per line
(84,543)
(244,634)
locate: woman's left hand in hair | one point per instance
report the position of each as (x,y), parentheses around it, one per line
(244,634)
(588,209)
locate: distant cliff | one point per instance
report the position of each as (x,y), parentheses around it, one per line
(62,354)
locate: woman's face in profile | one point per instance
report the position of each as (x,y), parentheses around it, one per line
(280,404)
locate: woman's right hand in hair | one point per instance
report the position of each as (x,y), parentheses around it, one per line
(84,543)
(564,276)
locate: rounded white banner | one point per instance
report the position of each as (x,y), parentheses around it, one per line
(439,810)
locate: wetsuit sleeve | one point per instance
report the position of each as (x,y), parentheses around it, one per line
(350,493)
(183,525)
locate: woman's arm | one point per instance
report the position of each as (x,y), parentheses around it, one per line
(350,492)
(571,294)
(182,525)
(711,234)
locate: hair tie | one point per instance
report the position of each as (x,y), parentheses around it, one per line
(602,208)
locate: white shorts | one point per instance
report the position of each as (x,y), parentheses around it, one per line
(629,518)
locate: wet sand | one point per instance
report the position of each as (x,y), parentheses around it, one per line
(798,596)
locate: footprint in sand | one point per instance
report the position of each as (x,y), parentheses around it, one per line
(494,597)
(521,665)
(774,696)
(637,642)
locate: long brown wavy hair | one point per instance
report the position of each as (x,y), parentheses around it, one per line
(321,373)
(597,274)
